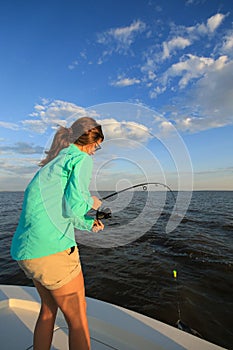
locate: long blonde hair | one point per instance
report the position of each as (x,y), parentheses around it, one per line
(82,132)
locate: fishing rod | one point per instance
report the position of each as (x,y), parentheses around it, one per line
(143,185)
(106,213)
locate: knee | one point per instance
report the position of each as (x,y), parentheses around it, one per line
(73,319)
(47,313)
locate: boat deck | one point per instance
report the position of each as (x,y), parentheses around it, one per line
(111,327)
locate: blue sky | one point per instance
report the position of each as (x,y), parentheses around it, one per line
(157,74)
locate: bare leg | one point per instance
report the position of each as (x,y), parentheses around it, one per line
(43,332)
(71,300)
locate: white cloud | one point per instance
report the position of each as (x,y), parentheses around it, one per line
(173,44)
(179,38)
(214,22)
(196,124)
(192,67)
(157,91)
(39,107)
(17,172)
(53,113)
(209,27)
(214,94)
(124,34)
(11,126)
(22,148)
(37,126)
(122,82)
(209,101)
(73,65)
(129,130)
(120,39)
(228,43)
(150,66)
(166,128)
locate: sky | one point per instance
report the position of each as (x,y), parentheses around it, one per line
(158,75)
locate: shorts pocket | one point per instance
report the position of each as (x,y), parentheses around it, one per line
(70,251)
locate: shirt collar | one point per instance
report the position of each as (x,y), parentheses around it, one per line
(71,149)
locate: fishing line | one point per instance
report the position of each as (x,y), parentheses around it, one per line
(177,295)
(106,213)
(180,324)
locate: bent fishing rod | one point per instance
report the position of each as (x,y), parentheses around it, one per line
(106,213)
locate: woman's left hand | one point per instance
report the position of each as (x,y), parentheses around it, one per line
(96,203)
(97,226)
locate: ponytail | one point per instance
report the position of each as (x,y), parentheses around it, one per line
(61,140)
(82,132)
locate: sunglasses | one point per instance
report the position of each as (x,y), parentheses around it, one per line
(97,147)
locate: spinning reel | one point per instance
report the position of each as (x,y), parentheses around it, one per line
(105,213)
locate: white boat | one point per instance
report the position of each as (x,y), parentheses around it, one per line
(111,326)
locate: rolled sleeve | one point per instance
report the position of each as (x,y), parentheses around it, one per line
(84,224)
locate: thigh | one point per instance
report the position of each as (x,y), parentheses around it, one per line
(71,300)
(46,297)
(71,297)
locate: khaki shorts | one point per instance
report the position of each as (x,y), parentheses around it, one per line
(53,271)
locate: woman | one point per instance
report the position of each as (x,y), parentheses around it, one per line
(55,202)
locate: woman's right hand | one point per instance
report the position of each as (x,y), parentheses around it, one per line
(97,226)
(97,203)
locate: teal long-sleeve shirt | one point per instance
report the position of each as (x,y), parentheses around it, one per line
(55,202)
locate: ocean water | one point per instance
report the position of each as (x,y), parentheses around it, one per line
(130,263)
